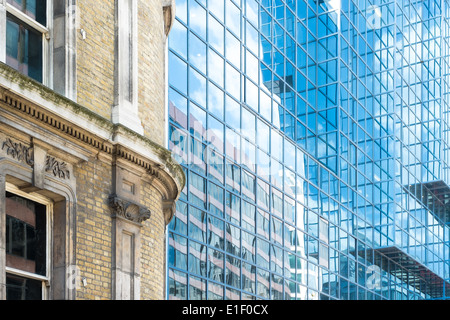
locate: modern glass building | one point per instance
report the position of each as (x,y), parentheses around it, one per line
(315,140)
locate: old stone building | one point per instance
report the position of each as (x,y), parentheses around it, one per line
(87,186)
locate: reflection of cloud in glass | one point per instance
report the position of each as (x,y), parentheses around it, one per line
(251,95)
(233,81)
(197,87)
(197,53)
(251,39)
(178,39)
(181,9)
(334,6)
(216,34)
(197,18)
(251,12)
(215,100)
(233,17)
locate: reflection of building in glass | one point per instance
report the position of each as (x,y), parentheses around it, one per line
(314,135)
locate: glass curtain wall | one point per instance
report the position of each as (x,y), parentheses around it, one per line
(314,138)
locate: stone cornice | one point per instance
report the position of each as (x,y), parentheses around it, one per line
(26,98)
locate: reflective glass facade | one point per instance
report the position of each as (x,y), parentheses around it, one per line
(314,137)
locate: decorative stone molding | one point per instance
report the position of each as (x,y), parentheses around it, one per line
(169,209)
(18,151)
(58,168)
(128,210)
(169,15)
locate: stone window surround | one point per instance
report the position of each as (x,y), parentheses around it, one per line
(17,177)
(59,48)
(45,279)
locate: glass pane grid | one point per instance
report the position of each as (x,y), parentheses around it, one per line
(327,120)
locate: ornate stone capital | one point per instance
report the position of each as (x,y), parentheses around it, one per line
(127,210)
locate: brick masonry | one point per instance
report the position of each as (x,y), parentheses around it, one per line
(94,230)
(81,133)
(151,69)
(95,62)
(95,90)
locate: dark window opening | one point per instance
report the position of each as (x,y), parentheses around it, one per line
(18,288)
(35,9)
(25,235)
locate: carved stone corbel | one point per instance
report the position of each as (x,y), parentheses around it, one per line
(169,209)
(127,210)
(169,15)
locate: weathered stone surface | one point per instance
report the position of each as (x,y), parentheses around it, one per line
(113,190)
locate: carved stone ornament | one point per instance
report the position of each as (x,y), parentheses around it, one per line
(128,210)
(58,168)
(169,209)
(18,151)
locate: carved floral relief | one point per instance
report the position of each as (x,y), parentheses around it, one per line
(58,168)
(18,151)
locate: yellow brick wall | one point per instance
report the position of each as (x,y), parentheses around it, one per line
(94,230)
(152,69)
(153,248)
(94,236)
(95,62)
(95,56)
(95,91)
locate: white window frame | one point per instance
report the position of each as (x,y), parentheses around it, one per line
(46,37)
(45,280)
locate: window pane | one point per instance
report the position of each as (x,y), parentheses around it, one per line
(233,271)
(178,73)
(177,40)
(25,235)
(18,288)
(24,49)
(178,285)
(36,9)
